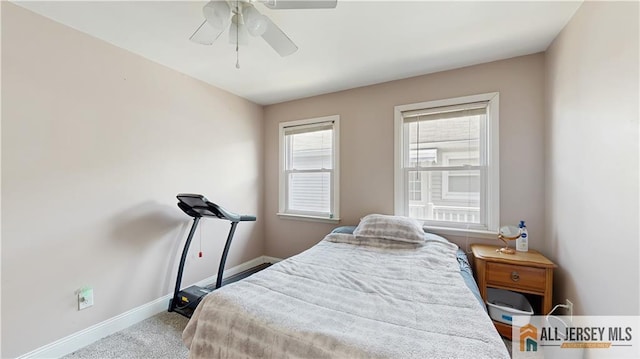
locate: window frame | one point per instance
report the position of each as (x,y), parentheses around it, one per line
(489,202)
(334,213)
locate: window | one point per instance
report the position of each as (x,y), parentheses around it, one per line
(309,168)
(446,162)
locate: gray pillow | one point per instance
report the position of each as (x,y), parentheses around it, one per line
(396,228)
(344,229)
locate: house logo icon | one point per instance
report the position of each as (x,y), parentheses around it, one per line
(528,338)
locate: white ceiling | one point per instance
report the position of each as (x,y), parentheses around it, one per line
(356,44)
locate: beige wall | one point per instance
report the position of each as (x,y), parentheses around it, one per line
(366,145)
(592,159)
(96,143)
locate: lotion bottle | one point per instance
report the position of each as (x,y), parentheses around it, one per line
(522,243)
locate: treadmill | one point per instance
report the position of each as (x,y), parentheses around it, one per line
(197,206)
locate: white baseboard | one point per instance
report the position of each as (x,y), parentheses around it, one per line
(81,339)
(271,260)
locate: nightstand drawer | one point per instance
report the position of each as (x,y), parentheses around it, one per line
(521,277)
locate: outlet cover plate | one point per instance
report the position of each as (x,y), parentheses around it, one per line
(85,298)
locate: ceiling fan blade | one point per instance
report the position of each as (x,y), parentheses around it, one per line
(277,39)
(300,4)
(205,34)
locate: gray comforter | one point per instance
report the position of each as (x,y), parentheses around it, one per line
(348,298)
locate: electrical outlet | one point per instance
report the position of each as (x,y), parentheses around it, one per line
(85,298)
(570,308)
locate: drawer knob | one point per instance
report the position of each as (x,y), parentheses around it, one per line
(515,276)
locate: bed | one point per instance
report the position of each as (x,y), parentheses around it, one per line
(388,290)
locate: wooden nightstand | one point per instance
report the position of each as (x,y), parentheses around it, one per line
(524,272)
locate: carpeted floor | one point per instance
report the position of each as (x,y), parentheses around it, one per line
(157,337)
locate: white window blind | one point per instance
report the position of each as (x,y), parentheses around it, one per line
(308,168)
(451,146)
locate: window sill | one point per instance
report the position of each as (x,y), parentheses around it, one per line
(461,232)
(301,217)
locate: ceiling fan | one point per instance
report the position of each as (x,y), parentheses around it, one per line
(242,18)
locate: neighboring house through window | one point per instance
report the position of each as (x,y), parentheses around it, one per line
(415,186)
(309,185)
(446,162)
(461,185)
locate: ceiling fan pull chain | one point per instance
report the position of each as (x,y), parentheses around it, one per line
(238,35)
(237,58)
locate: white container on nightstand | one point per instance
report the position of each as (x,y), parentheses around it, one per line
(522,243)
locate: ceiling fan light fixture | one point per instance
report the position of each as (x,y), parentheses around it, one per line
(256,22)
(238,31)
(242,19)
(217,14)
